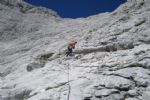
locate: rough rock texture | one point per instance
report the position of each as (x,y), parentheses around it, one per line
(111,61)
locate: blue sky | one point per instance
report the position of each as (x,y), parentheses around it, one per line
(78,8)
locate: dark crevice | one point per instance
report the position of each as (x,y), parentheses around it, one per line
(107,48)
(132,65)
(19,96)
(40,61)
(44,56)
(144,58)
(129,78)
(140,22)
(135,65)
(87,98)
(57,86)
(3,74)
(117,88)
(35,65)
(104,96)
(146,41)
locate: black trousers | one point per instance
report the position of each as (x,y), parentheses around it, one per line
(69,52)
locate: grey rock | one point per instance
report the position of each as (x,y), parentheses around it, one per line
(146,96)
(105,92)
(111,60)
(131,99)
(119,83)
(132,93)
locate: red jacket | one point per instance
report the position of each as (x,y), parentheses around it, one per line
(73,44)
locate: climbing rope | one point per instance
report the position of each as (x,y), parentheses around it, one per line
(68,80)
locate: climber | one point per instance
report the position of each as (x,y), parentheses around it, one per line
(70,47)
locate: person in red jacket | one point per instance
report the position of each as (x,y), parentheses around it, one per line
(70,47)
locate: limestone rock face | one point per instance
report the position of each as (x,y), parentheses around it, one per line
(19,18)
(110,62)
